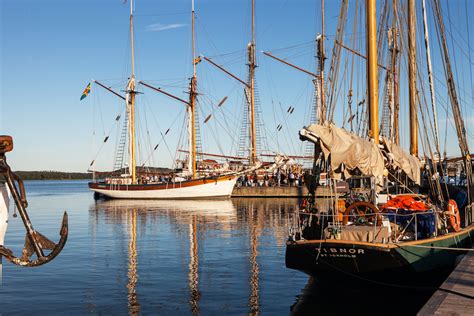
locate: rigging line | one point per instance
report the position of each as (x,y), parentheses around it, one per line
(240,51)
(290,143)
(469,47)
(335,58)
(434,183)
(183,130)
(338,91)
(160,14)
(100,114)
(353,44)
(274,120)
(116,123)
(213,132)
(206,34)
(309,43)
(455,62)
(432,125)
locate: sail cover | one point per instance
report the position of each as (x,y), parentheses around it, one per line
(347,150)
(403,160)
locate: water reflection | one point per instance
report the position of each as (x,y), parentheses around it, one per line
(221,212)
(359,299)
(160,228)
(193,274)
(254,268)
(133,305)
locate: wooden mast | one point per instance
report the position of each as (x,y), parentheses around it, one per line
(192,104)
(130,99)
(251,92)
(321,58)
(395,50)
(372,70)
(412,78)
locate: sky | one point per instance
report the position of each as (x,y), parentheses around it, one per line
(51,49)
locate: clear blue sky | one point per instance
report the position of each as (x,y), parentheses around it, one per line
(50,50)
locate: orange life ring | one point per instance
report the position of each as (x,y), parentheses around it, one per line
(454,217)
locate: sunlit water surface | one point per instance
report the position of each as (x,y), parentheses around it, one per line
(173,258)
(152,257)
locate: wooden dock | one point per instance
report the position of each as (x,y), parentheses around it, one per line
(279,191)
(456,294)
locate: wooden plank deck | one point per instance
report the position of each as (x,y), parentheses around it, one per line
(456,294)
(282,191)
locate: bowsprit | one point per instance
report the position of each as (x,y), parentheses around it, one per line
(35,243)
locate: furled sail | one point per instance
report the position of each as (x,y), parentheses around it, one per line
(348,151)
(403,160)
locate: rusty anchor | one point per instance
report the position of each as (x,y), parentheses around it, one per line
(35,243)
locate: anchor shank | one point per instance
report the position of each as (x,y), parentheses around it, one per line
(23,214)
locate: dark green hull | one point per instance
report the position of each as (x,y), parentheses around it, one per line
(346,260)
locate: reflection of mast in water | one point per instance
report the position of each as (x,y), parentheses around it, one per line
(254,268)
(193,274)
(133,305)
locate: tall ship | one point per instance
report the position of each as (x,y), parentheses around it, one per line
(189,184)
(401,222)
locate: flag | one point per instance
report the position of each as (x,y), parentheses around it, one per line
(197,60)
(86,92)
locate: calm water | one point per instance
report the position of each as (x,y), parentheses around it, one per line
(152,257)
(166,258)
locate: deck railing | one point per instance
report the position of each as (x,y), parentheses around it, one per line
(421,224)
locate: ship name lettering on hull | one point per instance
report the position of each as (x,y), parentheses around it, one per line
(340,252)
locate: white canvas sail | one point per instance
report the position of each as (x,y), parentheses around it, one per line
(348,151)
(401,159)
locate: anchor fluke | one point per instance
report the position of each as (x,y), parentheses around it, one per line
(43,243)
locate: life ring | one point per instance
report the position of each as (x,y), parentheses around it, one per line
(454,217)
(304,203)
(364,210)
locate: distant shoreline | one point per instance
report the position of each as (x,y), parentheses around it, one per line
(53,175)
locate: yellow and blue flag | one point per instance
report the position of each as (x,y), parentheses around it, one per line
(86,92)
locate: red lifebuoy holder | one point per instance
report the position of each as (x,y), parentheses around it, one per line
(454,217)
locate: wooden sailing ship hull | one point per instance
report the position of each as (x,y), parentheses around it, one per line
(351,261)
(212,187)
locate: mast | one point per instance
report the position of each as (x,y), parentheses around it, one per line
(130,102)
(192,103)
(250,91)
(395,50)
(372,71)
(321,58)
(412,78)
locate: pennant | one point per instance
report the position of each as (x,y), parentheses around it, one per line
(86,92)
